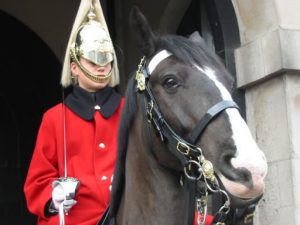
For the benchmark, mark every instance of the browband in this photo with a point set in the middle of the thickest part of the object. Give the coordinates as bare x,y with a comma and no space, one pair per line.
157,59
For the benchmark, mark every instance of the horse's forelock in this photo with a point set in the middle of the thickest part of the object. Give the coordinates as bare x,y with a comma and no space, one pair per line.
192,52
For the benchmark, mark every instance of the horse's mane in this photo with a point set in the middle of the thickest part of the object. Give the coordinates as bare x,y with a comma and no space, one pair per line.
186,51
127,117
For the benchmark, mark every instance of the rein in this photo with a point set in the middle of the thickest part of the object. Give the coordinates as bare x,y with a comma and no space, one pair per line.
198,171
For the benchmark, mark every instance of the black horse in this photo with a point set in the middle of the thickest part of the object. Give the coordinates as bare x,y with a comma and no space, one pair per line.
179,120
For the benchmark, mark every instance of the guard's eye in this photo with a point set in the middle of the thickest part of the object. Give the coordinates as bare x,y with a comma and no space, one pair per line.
171,82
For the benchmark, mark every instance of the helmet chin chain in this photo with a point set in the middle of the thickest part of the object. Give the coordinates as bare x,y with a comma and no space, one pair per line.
88,74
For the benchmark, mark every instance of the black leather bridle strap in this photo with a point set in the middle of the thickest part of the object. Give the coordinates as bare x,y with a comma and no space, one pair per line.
244,216
185,150
211,114
190,190
168,135
182,150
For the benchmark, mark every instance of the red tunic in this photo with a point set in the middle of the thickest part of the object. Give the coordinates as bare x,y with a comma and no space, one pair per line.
91,154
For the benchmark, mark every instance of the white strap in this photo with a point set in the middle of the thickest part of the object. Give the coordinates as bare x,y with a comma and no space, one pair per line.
160,56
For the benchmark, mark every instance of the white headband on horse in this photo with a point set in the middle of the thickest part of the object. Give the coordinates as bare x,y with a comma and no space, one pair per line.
158,58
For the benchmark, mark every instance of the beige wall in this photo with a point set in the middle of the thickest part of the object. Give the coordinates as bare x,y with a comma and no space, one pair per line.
268,68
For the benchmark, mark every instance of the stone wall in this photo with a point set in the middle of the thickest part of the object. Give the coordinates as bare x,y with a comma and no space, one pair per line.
268,69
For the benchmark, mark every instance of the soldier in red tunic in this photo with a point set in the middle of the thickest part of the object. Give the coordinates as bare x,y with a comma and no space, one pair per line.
73,161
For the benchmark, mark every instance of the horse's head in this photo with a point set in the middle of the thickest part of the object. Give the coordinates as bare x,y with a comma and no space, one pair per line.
187,81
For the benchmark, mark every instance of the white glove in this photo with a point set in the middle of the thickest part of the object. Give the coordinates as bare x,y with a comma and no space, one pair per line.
59,197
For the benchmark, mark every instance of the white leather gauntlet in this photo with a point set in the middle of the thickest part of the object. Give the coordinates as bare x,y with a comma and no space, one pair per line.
58,198
63,192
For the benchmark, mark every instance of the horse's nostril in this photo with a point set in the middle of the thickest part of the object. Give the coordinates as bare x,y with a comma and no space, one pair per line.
227,169
227,156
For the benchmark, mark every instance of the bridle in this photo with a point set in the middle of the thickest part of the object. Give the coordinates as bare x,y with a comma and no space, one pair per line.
195,166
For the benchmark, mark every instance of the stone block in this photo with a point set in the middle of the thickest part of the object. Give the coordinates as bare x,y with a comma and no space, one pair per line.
267,118
296,181
255,18
288,13
290,48
293,112
277,205
271,54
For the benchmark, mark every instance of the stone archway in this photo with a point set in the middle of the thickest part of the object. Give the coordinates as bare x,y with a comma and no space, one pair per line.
29,85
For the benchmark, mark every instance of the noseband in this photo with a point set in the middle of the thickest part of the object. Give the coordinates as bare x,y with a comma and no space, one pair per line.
195,166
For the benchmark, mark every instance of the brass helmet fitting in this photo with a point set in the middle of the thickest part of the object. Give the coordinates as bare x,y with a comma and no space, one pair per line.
92,43
90,40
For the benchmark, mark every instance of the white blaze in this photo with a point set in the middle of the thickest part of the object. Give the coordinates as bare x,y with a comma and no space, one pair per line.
248,155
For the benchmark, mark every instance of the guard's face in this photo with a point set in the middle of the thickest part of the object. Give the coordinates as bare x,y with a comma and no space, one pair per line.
86,83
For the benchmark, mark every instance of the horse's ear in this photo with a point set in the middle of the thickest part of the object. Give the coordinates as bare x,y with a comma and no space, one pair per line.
143,33
196,37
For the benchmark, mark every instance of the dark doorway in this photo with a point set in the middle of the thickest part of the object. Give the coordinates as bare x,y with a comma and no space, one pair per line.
217,24
30,75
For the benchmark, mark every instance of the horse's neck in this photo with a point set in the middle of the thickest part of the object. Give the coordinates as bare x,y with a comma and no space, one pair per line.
152,195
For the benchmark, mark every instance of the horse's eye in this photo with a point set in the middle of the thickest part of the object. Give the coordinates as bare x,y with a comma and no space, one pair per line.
170,83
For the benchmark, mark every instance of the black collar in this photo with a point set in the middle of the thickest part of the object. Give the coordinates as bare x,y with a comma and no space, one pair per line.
84,103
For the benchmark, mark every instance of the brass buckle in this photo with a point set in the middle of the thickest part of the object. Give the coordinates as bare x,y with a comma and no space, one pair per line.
139,76
183,148
149,111
208,169
248,218
140,79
